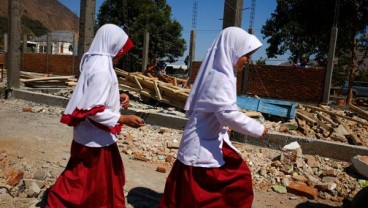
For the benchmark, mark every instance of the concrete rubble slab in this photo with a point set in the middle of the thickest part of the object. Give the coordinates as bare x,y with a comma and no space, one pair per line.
334,150
360,164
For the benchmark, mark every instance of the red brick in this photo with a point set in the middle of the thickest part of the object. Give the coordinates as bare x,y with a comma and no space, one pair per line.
14,177
301,189
169,159
161,169
27,109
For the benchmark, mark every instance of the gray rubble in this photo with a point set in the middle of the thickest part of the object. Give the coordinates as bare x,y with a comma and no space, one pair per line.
282,171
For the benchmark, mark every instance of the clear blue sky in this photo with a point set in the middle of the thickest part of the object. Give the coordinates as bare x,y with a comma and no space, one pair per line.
209,13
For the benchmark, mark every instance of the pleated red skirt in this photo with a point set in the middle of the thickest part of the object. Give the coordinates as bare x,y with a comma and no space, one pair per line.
93,178
227,186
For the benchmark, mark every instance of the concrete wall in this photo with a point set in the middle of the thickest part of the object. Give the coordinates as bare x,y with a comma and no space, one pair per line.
280,82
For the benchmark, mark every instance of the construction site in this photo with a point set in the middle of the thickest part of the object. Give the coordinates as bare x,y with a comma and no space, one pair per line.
315,154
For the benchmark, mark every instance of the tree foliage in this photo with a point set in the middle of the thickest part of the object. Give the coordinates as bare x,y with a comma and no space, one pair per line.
303,27
139,16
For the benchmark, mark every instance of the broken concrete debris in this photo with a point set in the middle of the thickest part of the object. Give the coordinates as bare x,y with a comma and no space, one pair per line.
286,170
360,164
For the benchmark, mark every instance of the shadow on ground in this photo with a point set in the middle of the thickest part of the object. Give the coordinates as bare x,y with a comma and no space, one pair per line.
309,204
141,197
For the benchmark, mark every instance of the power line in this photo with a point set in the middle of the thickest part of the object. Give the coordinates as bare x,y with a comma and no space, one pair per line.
336,16
252,14
194,16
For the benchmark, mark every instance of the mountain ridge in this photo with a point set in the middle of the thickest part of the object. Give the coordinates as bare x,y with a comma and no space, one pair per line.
51,13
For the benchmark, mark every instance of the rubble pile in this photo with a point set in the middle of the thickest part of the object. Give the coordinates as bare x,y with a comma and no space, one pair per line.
25,179
325,123
309,176
282,171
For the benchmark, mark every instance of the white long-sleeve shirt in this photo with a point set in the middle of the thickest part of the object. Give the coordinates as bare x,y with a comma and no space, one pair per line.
107,90
204,134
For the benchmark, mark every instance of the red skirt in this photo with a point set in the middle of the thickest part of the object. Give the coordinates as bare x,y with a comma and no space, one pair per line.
94,177
227,186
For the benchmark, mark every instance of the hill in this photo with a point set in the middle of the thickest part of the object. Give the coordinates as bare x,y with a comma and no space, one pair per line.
39,16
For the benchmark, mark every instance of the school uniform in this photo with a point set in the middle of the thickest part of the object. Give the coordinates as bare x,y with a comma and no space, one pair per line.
209,171
94,176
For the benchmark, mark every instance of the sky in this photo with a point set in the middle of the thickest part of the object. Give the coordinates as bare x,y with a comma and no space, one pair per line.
209,23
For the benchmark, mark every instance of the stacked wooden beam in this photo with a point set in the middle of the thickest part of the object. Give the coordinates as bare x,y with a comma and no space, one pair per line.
169,79
39,80
154,88
324,122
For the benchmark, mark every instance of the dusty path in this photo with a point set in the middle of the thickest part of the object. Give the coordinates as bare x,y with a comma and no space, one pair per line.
42,142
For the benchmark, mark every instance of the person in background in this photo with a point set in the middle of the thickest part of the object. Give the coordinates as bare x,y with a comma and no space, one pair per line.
209,171
94,176
303,63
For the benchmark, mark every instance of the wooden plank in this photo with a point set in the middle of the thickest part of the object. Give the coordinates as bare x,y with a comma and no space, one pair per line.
319,122
138,83
327,119
59,78
175,82
127,87
361,112
169,93
154,88
158,93
354,137
273,107
306,118
182,90
336,114
71,83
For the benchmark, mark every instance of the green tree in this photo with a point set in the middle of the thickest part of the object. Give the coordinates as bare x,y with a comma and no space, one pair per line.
303,27
261,61
166,42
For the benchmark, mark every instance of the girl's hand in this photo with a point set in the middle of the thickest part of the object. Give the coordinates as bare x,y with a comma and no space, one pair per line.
265,132
124,100
131,121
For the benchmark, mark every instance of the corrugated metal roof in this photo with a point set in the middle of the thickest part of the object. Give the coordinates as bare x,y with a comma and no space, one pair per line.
56,36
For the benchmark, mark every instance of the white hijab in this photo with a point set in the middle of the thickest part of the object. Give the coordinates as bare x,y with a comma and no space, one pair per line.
108,41
214,88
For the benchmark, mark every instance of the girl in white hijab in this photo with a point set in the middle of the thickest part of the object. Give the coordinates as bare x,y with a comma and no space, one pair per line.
94,176
209,172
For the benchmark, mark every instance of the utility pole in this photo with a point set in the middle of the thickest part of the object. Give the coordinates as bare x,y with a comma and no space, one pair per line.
48,51
13,56
331,57
192,43
353,64
233,10
244,86
86,26
330,63
251,19
145,50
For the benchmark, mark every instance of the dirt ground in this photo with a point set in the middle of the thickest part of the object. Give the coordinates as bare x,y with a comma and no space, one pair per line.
41,142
